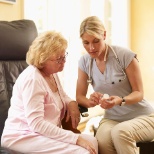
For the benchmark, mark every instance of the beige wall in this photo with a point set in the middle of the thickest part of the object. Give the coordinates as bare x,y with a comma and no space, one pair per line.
142,41
11,11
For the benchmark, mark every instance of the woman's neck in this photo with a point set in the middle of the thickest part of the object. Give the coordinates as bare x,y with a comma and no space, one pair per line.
103,56
45,73
50,80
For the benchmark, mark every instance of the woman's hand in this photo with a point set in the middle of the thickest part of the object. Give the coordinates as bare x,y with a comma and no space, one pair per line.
94,99
86,144
73,113
107,103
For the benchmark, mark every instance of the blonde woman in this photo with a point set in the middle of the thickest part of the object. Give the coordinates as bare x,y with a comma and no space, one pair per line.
38,105
113,71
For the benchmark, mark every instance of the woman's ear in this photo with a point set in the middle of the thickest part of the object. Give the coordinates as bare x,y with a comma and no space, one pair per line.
104,35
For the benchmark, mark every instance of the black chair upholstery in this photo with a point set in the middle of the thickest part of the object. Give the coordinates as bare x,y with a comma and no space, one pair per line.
146,147
15,39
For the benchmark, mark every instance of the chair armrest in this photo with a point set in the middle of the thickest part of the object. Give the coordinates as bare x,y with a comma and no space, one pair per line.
146,147
83,111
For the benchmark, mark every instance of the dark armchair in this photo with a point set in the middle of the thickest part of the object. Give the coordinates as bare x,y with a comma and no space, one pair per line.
15,39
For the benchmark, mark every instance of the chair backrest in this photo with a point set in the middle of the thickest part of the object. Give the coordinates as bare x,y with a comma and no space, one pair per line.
15,39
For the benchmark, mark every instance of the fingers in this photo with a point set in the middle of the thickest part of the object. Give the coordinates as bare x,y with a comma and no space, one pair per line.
91,149
75,121
86,144
95,97
75,118
67,116
94,100
105,104
74,114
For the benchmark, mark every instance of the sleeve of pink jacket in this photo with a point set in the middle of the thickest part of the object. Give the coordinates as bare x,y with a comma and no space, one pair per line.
33,100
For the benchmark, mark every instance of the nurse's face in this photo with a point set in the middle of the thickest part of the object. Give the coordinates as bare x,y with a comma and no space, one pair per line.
93,45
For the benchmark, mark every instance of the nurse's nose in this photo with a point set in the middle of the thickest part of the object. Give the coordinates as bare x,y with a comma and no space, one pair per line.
91,47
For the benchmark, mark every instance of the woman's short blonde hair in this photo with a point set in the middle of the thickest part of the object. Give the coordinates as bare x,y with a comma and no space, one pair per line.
45,46
93,26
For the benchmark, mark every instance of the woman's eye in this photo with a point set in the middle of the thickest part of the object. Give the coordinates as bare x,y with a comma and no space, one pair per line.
96,40
85,43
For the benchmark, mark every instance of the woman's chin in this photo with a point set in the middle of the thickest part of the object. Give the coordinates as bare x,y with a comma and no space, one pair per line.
61,69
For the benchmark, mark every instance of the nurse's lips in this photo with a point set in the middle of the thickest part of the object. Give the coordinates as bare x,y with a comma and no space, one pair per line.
92,53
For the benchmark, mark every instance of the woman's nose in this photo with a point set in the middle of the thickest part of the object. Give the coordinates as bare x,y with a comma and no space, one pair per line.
91,47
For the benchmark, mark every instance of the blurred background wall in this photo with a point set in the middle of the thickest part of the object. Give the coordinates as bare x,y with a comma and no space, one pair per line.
141,34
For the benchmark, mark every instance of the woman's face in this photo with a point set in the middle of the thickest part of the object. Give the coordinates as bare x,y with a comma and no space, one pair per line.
55,63
93,45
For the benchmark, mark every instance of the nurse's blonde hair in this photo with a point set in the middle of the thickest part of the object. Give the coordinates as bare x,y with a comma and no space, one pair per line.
93,26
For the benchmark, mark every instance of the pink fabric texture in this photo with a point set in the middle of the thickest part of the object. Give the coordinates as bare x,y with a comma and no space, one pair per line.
34,118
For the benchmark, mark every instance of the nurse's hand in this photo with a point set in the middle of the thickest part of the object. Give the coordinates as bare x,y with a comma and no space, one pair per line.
94,99
109,102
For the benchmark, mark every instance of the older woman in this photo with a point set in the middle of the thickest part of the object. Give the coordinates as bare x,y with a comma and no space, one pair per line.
38,104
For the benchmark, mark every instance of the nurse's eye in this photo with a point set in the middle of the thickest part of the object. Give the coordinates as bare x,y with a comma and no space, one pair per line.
96,40
85,42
